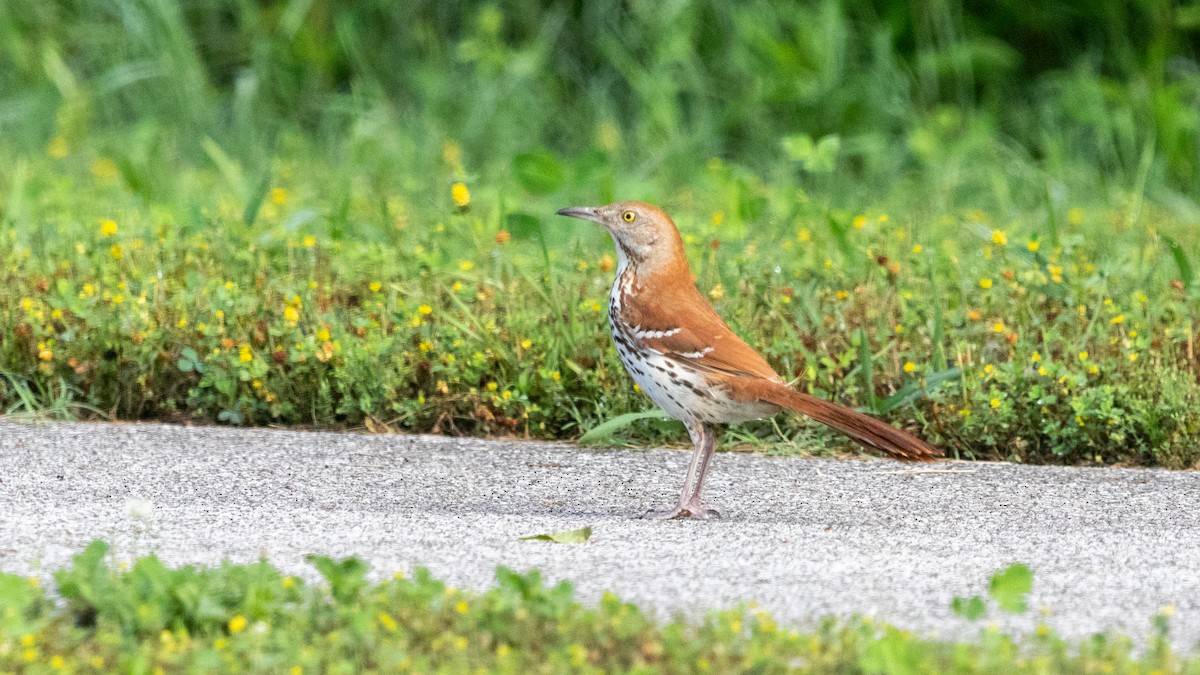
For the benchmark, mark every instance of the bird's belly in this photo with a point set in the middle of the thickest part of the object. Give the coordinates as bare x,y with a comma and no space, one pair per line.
685,393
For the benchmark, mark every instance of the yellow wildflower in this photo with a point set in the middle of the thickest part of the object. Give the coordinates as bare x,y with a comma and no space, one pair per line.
375,286
291,314
425,310
860,222
1117,319
909,367
999,238
309,241
461,195
389,624
279,196
237,624
108,227
985,283
1033,245
466,265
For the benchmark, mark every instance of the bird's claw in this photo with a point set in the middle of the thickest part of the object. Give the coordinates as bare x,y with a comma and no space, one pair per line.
682,511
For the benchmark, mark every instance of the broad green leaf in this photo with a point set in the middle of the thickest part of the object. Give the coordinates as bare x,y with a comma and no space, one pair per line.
817,157
971,608
798,147
538,172
1010,586
346,577
569,537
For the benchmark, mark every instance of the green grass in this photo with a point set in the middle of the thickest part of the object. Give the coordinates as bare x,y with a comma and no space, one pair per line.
240,213
146,617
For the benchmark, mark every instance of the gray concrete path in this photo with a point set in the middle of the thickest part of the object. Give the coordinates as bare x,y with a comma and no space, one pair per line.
801,537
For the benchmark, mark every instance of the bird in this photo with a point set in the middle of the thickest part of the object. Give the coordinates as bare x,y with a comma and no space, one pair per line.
691,364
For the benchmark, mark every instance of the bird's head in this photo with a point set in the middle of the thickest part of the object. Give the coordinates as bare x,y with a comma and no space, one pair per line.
645,235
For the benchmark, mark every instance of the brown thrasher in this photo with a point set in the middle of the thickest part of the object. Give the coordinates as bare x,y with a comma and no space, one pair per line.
690,363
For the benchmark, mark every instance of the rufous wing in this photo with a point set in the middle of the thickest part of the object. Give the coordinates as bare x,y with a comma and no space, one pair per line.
683,326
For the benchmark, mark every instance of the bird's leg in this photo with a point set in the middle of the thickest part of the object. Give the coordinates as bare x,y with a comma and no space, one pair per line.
705,441
710,447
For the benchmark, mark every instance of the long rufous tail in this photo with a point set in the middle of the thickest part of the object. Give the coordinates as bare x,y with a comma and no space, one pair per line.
867,430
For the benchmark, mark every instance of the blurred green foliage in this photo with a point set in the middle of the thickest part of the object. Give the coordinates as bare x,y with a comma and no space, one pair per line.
1068,84
145,617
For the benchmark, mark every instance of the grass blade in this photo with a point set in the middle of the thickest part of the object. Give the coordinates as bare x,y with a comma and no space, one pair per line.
605,431
917,389
1186,274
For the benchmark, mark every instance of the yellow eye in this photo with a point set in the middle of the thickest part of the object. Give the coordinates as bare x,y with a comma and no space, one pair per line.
628,216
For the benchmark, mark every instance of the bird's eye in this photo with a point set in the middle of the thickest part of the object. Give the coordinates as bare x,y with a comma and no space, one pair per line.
628,216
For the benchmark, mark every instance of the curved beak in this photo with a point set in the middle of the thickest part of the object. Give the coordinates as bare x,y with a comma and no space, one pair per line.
591,213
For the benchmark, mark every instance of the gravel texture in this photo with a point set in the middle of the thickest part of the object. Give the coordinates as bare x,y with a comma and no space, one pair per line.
802,538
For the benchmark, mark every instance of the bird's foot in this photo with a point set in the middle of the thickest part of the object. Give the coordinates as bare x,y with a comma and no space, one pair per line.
688,510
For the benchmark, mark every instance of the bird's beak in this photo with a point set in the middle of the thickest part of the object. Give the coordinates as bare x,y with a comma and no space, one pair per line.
582,212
